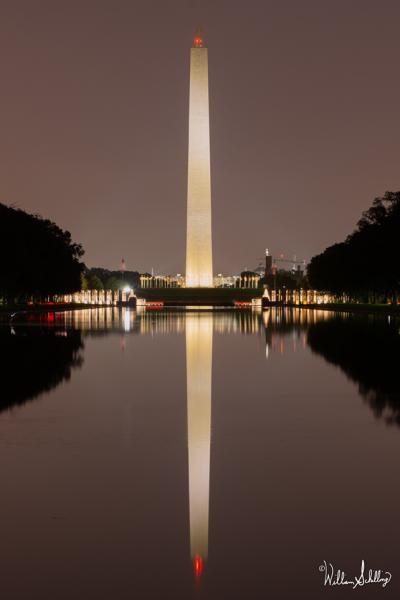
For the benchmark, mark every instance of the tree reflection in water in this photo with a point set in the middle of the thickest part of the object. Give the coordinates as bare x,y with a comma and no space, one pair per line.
36,360
367,350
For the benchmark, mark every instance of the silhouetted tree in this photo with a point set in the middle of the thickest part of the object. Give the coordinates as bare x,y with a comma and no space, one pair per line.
114,284
367,264
94,282
37,258
285,279
114,278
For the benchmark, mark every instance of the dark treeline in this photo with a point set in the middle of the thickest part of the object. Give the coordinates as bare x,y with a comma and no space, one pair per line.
291,280
366,266
37,259
104,279
36,360
367,351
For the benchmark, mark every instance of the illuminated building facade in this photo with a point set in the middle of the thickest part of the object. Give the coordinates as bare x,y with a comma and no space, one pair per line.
221,280
249,279
198,241
161,281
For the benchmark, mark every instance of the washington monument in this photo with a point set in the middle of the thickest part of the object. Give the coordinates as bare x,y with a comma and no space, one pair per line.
198,241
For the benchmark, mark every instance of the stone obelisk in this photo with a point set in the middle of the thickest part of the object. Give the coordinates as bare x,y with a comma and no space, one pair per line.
198,241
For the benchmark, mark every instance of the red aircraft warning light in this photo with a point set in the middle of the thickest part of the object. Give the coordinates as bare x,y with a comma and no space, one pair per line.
198,566
198,41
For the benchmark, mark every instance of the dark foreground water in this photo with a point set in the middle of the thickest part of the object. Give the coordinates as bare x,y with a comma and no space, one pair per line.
202,454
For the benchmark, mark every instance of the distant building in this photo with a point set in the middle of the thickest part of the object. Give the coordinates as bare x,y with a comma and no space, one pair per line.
249,279
221,280
268,263
162,281
298,273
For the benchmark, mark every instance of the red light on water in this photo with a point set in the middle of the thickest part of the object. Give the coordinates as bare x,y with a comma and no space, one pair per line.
198,566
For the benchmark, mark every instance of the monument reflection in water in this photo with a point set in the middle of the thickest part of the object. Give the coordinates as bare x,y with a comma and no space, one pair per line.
298,464
199,333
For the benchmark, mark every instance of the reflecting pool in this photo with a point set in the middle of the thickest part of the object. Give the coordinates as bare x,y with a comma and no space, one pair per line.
198,454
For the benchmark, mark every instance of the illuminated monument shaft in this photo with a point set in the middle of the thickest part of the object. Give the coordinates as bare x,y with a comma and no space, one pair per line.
198,242
199,331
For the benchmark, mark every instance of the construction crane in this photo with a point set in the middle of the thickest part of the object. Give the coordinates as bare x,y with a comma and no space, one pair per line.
281,259
293,261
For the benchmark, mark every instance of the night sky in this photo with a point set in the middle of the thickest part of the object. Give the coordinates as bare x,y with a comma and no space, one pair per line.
304,104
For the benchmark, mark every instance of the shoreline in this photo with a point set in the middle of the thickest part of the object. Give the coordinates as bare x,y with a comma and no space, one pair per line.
384,309
7,312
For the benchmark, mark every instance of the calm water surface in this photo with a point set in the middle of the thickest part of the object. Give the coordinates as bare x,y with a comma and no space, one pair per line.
198,454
